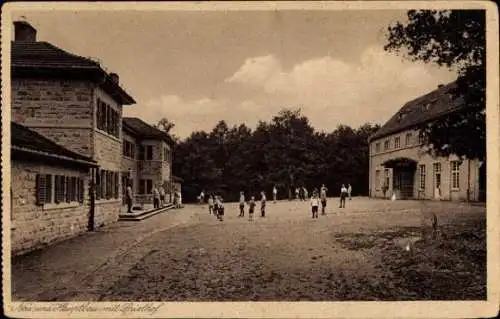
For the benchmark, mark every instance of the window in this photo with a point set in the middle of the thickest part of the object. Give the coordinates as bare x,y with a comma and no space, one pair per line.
146,152
108,185
65,189
149,152
422,176
421,139
387,179
128,149
145,186
108,120
377,179
386,145
408,139
377,147
455,175
43,189
141,152
397,142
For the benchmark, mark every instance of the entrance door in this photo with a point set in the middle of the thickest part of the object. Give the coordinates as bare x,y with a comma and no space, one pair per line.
437,180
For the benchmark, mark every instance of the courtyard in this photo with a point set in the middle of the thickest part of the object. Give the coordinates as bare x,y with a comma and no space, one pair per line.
371,250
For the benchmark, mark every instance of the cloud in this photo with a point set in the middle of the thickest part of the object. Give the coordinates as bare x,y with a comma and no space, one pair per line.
195,115
332,91
329,92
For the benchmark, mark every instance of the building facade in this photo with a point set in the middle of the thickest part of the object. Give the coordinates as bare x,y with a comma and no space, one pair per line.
49,191
147,160
400,164
72,101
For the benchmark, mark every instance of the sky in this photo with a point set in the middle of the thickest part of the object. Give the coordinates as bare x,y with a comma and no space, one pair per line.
198,67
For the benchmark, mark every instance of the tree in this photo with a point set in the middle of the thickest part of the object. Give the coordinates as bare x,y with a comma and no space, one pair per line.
455,39
166,126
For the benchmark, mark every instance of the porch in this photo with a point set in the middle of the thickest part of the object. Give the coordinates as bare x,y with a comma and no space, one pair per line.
403,174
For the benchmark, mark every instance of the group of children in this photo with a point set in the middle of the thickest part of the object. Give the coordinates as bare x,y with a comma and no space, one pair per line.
216,206
216,202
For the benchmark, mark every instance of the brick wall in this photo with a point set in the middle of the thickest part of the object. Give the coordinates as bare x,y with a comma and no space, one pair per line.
108,153
34,226
47,104
415,152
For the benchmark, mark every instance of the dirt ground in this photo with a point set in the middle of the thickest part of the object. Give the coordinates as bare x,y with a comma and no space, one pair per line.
371,250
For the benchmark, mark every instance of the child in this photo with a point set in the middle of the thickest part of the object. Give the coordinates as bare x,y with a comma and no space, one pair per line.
349,190
210,204
221,209
216,206
242,204
275,193
343,195
263,204
323,200
314,205
251,208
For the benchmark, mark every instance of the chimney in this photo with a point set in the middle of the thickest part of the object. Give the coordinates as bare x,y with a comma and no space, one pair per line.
115,78
23,31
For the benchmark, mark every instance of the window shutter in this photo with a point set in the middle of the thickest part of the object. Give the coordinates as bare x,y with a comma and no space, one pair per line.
80,190
116,185
41,184
98,184
68,189
48,188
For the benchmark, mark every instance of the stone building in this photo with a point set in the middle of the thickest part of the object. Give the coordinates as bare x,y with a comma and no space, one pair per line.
49,191
74,102
400,165
147,159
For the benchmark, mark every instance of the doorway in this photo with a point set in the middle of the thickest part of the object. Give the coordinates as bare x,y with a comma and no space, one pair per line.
437,180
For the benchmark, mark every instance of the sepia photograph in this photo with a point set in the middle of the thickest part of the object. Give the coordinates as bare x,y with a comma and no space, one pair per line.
248,152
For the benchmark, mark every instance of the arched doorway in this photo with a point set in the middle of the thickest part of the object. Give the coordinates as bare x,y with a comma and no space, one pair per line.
403,172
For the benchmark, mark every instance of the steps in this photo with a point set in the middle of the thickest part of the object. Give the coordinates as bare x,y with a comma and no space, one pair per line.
141,215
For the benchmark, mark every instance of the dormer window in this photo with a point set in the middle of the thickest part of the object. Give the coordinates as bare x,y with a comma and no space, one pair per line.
401,116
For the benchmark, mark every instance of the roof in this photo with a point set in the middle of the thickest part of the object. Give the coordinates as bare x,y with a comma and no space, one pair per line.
143,130
421,110
26,140
29,58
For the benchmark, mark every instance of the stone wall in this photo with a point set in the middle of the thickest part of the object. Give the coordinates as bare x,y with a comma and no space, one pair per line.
59,109
33,226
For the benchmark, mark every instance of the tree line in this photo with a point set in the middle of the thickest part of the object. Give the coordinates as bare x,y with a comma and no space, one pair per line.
286,151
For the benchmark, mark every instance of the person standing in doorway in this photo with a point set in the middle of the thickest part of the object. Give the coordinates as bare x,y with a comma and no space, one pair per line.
262,204
314,205
349,190
275,193
129,199
343,195
156,197
322,196
242,204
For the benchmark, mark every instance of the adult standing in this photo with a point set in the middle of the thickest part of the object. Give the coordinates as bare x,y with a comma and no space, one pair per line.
343,195
129,196
275,193
202,197
162,196
156,197
349,190
322,196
